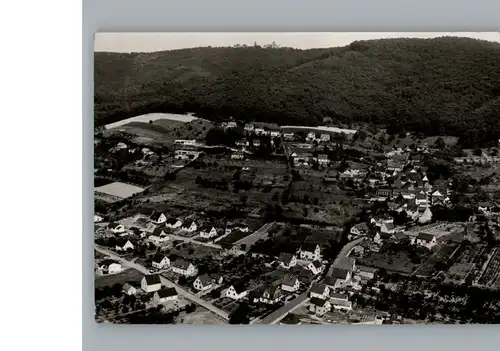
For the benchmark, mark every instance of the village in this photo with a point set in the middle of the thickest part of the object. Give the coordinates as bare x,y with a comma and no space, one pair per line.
256,223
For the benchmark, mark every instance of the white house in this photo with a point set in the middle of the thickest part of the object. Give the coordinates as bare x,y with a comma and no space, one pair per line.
359,229
129,289
164,295
321,291
319,306
183,267
160,261
290,284
322,159
123,245
340,302
424,214
366,272
388,228
173,223
310,252
117,228
203,282
110,267
249,127
191,228
208,233
315,267
426,239
97,219
271,295
237,291
151,283
325,137
287,260
158,217
158,240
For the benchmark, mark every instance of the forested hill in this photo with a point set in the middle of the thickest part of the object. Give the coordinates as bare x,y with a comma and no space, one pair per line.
437,86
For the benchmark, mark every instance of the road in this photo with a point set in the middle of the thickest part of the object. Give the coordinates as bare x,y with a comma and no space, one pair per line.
346,250
260,233
166,282
281,312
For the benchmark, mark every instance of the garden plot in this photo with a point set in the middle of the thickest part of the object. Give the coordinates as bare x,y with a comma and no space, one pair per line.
119,189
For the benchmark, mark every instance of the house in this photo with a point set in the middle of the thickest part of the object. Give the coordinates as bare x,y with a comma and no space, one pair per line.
311,136
160,261
231,125
173,223
191,228
387,228
287,260
164,295
290,284
333,283
412,211
394,166
340,302
237,291
319,306
315,267
203,282
158,240
183,267
426,239
260,131
310,252
249,128
384,193
305,276
116,228
301,159
359,229
424,214
138,232
272,294
151,283
321,291
324,137
158,217
238,155
110,266
129,289
97,219
366,272
421,198
123,245
323,160
208,233
374,236
344,275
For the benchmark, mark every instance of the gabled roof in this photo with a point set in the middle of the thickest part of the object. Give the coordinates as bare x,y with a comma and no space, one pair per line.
318,288
204,279
155,215
240,287
180,263
388,225
121,242
367,269
309,247
152,279
339,273
289,280
166,292
425,236
171,220
107,262
158,257
157,231
127,287
316,264
285,257
318,302
339,296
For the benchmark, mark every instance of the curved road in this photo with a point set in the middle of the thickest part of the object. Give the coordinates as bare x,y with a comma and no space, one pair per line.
166,282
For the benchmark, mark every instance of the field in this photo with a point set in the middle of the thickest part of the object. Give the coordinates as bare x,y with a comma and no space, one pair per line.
118,189
128,275
194,252
151,117
212,183
201,316
396,262
441,256
491,276
465,263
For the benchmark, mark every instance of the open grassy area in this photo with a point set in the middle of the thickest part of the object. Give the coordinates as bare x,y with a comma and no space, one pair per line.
129,275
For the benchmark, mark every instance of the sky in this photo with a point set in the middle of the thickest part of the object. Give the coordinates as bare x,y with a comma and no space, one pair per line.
149,42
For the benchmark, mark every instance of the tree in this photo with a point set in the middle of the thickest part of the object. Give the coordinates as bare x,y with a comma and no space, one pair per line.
477,152
440,144
240,315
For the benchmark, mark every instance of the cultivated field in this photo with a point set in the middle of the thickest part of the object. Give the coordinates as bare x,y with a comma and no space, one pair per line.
119,189
128,275
152,117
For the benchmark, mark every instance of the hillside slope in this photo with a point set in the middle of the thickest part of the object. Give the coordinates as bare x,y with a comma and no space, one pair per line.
437,86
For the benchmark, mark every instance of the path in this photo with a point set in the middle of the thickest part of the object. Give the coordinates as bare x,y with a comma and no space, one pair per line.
281,312
260,233
166,282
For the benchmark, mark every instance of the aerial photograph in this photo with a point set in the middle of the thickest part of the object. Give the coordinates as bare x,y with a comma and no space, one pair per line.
297,178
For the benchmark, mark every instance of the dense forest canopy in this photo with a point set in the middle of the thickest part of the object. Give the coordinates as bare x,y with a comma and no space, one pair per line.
435,86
